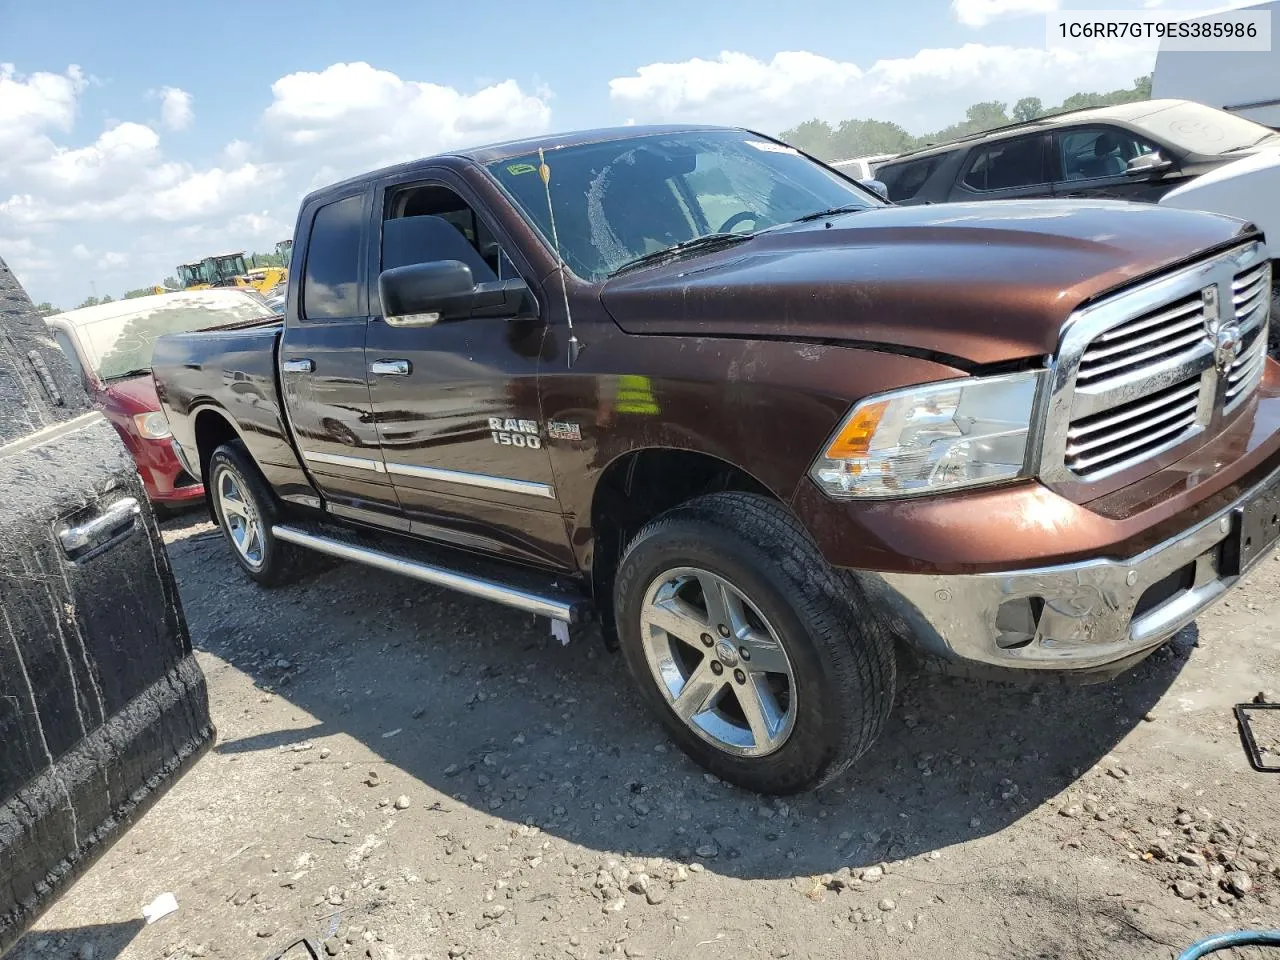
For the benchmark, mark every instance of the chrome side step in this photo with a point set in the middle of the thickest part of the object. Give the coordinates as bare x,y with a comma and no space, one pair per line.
561,606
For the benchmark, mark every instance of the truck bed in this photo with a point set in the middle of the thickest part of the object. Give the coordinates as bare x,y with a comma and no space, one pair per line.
231,370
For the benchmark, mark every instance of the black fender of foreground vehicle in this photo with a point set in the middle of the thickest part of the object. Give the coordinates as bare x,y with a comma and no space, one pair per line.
102,704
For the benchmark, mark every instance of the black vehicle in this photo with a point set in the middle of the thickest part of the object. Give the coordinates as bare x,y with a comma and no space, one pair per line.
102,704
1134,151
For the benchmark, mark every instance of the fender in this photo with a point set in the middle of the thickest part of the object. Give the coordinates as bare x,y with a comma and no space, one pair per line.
1248,188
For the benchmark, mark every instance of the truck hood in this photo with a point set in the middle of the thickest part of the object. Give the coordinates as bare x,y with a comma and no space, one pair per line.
977,282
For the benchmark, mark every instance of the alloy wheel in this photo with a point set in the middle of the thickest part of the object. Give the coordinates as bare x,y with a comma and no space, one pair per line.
718,662
241,519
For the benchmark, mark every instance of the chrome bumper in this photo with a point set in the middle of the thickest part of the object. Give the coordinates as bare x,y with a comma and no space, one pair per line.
1084,615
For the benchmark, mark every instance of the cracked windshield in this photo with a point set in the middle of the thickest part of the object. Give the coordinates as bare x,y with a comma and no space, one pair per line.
615,202
635,481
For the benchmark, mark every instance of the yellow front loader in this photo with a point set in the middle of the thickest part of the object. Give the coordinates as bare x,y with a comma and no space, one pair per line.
230,270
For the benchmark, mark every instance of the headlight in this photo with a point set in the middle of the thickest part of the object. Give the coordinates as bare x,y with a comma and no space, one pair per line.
153,426
940,436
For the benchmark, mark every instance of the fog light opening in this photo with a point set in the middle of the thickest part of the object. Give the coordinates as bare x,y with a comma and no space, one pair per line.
1018,622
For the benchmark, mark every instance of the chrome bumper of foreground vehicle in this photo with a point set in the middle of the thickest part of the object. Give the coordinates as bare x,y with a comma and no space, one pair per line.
1092,613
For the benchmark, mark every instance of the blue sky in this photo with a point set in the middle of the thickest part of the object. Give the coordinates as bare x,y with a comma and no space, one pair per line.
134,136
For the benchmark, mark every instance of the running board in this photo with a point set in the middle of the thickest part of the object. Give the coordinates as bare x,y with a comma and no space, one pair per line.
537,594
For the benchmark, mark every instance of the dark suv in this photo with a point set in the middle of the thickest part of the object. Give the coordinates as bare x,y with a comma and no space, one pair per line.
1134,151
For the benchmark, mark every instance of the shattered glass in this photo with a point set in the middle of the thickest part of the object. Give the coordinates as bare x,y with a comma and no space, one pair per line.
610,202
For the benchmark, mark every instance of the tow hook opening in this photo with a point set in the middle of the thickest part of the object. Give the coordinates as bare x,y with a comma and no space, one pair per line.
1018,622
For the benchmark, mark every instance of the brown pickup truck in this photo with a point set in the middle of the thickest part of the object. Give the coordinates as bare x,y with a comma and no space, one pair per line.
762,425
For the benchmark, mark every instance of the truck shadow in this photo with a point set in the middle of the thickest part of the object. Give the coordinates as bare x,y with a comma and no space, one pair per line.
101,941
478,703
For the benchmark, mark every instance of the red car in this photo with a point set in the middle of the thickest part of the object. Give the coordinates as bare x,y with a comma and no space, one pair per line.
110,346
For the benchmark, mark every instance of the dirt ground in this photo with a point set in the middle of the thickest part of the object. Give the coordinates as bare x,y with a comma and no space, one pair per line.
404,773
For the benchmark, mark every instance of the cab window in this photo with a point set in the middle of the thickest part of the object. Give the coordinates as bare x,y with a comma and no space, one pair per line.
905,180
330,285
1094,152
1008,164
428,222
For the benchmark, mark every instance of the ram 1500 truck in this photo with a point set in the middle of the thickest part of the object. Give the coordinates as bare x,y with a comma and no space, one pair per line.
762,424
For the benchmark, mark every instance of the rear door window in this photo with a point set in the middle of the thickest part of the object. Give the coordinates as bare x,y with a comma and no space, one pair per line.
1008,164
905,180
330,286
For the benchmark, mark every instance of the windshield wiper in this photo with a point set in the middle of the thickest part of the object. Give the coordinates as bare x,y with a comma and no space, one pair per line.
831,212
704,243
142,371
1245,146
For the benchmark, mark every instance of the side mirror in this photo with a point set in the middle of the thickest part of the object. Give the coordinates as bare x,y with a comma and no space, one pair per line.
424,294
1148,164
876,186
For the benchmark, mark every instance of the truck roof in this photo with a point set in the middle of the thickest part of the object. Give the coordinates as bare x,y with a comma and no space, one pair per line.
488,153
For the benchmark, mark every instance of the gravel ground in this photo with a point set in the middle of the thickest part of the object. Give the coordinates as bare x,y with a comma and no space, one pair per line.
405,773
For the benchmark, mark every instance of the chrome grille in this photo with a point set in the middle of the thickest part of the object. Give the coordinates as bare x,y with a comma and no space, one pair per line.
1145,373
1245,372
1251,300
1251,292
1144,341
1126,432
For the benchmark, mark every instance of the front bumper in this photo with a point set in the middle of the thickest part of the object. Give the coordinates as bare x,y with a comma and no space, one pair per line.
1079,616
165,475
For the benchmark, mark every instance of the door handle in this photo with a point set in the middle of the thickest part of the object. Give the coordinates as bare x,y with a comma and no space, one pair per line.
391,368
297,365
114,522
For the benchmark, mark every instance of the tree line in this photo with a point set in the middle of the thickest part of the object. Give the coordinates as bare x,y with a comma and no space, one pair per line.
863,138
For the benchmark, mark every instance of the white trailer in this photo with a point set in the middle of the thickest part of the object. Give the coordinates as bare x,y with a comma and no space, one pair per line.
1247,84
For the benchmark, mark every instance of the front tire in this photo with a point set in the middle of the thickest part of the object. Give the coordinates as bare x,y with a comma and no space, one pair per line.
767,666
246,509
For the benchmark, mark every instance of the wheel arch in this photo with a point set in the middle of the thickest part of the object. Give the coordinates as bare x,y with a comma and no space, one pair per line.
212,427
638,485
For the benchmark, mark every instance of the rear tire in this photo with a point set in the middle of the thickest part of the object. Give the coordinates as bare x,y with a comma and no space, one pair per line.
246,509
801,679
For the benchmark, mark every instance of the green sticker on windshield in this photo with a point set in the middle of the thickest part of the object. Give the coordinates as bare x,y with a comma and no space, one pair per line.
515,169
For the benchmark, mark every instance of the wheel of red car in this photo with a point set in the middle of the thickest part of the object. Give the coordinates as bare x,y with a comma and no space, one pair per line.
765,665
246,509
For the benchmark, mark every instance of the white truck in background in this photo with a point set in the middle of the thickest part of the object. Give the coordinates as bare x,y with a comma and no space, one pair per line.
1244,83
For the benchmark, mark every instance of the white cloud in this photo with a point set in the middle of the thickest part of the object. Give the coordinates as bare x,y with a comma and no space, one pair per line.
96,194
32,105
120,151
236,152
175,108
167,193
24,256
923,92
978,13
355,116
